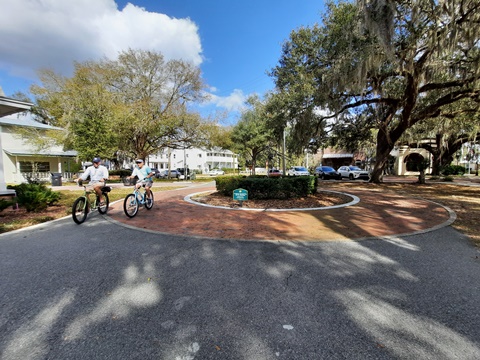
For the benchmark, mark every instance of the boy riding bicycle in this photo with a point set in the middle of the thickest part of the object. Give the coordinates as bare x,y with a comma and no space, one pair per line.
145,176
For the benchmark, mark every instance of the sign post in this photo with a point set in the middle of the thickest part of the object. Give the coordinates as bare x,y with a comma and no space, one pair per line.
240,195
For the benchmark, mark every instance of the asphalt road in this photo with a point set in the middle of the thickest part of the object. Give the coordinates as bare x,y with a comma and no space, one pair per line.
102,291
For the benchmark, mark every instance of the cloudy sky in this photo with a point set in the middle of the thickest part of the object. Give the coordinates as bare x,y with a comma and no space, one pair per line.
234,42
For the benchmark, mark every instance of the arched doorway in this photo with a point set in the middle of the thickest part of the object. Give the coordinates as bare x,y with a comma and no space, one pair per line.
412,160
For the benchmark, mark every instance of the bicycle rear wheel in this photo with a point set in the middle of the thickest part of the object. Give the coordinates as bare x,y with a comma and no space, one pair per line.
106,201
149,201
130,205
80,210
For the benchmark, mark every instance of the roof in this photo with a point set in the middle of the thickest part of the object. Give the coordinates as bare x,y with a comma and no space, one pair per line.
9,106
31,152
337,156
25,120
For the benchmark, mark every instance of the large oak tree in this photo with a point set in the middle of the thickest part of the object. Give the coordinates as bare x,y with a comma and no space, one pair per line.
134,105
390,64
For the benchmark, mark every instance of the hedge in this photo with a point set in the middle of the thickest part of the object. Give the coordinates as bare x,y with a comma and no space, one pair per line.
268,188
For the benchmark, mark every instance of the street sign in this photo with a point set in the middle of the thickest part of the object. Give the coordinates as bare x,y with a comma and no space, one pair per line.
240,194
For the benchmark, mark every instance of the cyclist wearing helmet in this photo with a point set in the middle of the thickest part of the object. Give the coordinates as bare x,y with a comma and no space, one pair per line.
144,174
98,175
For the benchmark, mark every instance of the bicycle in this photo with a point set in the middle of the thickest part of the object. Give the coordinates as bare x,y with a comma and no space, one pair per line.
83,205
137,198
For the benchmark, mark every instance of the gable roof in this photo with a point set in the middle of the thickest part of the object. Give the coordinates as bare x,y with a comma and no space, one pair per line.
9,106
25,120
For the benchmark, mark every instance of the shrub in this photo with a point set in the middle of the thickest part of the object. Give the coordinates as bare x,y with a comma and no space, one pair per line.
268,188
453,170
448,178
35,197
5,204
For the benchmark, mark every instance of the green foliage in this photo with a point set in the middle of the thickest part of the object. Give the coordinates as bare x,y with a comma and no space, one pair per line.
35,197
252,135
5,204
453,170
261,187
134,105
448,178
380,67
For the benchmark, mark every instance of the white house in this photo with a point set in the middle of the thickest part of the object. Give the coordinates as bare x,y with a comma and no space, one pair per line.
8,107
201,160
22,160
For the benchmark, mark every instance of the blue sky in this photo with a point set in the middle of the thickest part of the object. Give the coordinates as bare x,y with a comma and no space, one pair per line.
233,42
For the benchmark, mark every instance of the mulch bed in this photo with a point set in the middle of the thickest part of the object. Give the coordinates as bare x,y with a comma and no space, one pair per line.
321,199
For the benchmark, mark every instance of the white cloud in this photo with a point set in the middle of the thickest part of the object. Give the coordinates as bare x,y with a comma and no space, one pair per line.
55,33
233,102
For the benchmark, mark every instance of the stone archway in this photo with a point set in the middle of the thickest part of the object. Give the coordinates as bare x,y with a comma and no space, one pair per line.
412,160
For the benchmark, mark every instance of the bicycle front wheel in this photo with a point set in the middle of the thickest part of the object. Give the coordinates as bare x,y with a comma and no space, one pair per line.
80,210
103,208
130,205
149,201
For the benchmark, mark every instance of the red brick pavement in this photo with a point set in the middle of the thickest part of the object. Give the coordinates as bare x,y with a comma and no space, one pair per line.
378,214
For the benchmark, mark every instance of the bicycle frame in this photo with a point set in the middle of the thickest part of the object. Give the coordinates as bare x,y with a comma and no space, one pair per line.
84,204
136,199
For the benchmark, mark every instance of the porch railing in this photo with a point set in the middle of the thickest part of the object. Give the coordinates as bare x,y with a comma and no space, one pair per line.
45,177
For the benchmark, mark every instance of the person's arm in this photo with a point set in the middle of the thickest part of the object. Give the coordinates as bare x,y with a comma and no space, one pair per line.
134,172
85,175
150,174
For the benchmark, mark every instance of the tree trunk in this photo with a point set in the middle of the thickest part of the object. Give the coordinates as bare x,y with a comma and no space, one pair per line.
421,176
381,159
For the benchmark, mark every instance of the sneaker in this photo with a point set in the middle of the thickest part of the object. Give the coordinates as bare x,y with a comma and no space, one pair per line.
101,204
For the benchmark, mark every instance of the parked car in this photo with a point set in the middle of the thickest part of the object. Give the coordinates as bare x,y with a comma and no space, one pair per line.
327,172
160,174
298,171
181,171
353,172
216,172
174,174
274,173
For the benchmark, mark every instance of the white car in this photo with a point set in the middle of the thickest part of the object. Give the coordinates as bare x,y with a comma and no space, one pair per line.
298,171
353,172
216,172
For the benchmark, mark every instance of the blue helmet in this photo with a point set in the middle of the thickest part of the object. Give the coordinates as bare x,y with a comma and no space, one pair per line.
96,160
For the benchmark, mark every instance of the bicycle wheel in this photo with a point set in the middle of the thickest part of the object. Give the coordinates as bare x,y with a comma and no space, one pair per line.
149,201
80,210
130,205
106,201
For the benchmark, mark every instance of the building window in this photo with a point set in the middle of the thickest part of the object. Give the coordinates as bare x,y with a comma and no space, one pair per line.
32,166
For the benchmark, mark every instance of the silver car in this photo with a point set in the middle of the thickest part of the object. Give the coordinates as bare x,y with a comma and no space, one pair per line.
298,171
353,172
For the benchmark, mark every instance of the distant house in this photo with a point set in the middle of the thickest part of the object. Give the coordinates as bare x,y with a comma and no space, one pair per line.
21,160
200,160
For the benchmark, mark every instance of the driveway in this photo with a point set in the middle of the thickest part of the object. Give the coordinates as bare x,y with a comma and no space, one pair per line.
104,291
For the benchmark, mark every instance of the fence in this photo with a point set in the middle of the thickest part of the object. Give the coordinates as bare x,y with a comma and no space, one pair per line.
45,177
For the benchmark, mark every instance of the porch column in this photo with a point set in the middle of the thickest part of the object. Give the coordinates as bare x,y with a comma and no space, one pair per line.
3,184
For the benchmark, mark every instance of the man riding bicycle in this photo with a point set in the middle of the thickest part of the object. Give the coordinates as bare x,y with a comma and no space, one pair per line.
145,176
98,175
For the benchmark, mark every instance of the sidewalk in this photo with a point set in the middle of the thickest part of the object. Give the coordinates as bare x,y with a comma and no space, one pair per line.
378,214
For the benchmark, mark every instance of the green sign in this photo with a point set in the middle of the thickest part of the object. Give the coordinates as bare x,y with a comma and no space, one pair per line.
240,194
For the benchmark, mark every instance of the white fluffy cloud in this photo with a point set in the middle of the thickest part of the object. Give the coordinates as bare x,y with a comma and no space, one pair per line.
55,33
233,102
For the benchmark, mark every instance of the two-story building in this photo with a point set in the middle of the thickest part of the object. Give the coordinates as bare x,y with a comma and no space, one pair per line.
200,160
